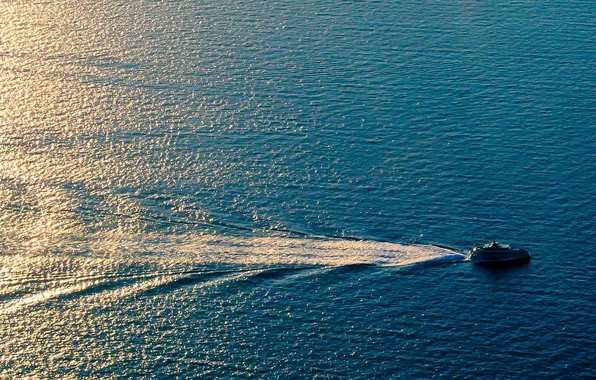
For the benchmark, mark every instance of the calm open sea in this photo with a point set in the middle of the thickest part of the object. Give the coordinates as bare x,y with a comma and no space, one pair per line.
225,188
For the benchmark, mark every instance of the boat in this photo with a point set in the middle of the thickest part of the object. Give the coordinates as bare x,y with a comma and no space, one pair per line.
495,253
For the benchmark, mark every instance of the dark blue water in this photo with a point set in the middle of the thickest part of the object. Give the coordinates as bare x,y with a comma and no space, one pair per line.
257,189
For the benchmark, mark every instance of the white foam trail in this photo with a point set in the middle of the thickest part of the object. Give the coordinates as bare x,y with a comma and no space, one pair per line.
267,250
450,258
119,265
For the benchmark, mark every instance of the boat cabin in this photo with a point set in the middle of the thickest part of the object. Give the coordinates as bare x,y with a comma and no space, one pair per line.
495,245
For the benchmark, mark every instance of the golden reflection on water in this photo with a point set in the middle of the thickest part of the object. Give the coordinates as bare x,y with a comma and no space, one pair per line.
82,120
53,113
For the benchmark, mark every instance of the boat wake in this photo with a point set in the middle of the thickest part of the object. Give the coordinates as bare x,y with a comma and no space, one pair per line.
113,267
258,250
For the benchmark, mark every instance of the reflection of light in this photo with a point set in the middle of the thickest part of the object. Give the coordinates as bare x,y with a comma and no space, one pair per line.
31,117
88,122
42,297
49,117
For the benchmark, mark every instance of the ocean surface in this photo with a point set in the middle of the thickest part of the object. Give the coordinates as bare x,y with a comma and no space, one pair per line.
289,189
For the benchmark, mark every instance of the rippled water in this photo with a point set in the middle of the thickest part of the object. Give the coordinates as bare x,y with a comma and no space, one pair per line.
268,188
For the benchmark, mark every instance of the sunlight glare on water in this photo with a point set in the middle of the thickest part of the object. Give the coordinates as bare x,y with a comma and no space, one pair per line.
226,188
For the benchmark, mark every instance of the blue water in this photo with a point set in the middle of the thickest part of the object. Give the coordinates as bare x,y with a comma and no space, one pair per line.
281,189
